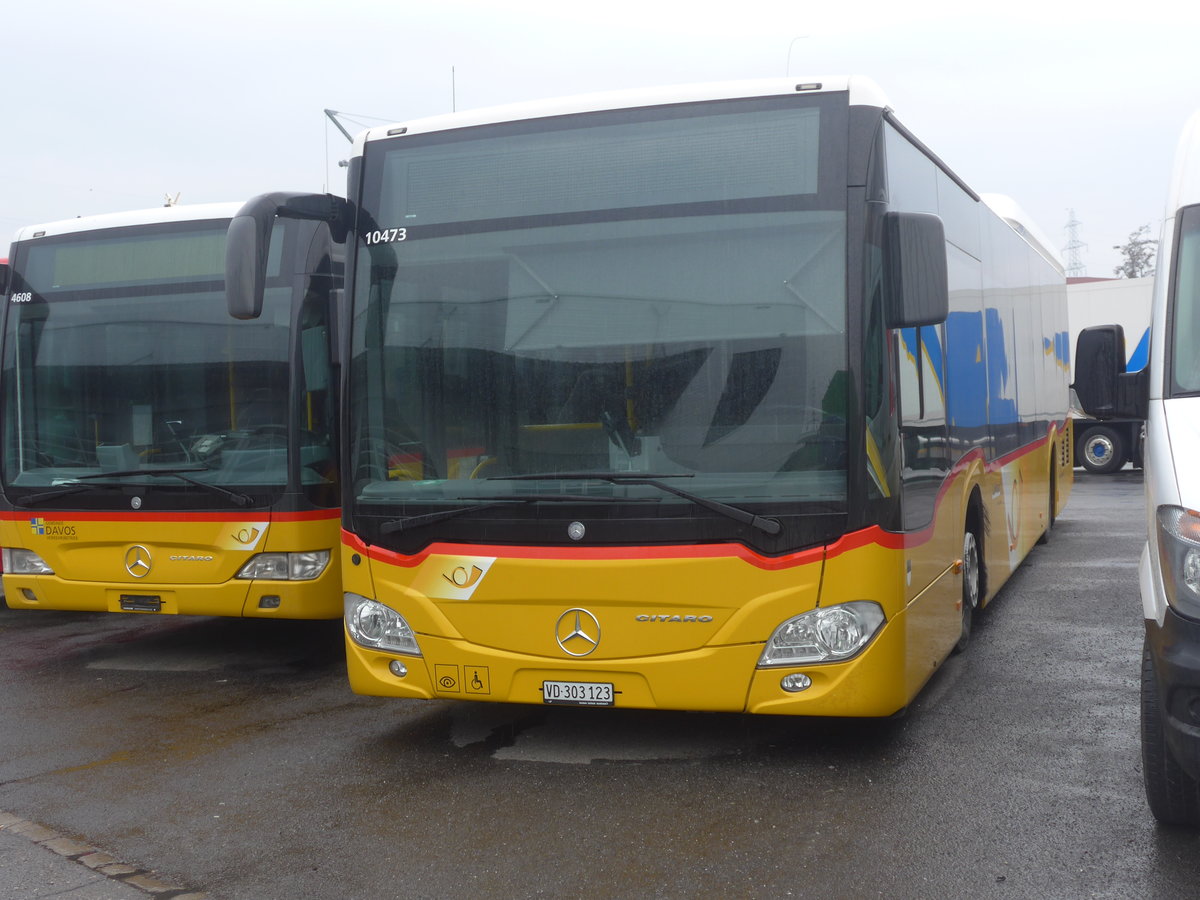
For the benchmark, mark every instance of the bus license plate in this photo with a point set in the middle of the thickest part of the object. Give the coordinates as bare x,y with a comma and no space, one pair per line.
141,603
577,693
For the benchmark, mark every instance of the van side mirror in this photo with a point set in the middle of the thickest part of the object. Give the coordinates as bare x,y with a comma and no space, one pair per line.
1104,389
916,285
3,276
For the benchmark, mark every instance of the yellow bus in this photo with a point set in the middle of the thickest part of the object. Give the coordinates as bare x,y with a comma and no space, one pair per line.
729,397
157,456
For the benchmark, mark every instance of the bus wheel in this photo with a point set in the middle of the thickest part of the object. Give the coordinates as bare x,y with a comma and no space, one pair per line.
1053,490
1102,450
970,588
1173,795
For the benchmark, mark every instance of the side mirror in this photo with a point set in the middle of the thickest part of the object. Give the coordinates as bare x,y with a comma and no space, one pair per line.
248,241
1103,387
246,244
916,285
3,276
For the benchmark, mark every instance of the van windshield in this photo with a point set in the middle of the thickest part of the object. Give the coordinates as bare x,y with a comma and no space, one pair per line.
1185,315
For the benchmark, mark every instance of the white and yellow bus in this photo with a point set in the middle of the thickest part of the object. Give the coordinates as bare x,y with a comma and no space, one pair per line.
728,397
157,456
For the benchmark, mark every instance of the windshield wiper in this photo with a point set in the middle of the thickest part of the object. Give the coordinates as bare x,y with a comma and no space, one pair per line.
80,483
237,497
762,523
408,522
428,518
76,488
125,473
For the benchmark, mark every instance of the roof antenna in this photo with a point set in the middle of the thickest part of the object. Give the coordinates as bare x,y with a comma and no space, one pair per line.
333,117
798,37
168,200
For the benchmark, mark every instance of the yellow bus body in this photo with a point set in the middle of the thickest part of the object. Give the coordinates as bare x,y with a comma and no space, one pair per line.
684,627
193,561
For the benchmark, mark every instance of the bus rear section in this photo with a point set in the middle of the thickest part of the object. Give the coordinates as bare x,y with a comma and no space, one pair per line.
158,455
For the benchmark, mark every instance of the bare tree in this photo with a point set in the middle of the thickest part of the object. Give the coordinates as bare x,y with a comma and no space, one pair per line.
1137,255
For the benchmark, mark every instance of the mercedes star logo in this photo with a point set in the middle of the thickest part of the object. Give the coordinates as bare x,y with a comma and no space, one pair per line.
137,561
577,632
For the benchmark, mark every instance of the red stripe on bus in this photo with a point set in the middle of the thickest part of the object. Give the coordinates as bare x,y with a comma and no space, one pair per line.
673,551
113,516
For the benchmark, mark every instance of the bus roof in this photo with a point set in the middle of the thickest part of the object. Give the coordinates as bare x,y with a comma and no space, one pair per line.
1011,212
1185,177
189,213
863,92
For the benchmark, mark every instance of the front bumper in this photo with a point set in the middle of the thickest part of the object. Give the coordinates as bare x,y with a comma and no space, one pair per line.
317,599
710,679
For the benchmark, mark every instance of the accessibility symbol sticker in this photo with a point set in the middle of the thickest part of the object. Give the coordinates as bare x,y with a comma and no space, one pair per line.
476,680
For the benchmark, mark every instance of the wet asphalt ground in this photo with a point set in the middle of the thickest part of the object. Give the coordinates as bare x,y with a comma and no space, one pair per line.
229,757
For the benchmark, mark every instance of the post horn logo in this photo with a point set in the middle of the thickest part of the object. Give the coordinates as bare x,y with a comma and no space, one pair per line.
246,535
461,578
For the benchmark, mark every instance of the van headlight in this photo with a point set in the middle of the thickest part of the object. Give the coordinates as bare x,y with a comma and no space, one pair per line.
303,566
827,634
380,627
1179,558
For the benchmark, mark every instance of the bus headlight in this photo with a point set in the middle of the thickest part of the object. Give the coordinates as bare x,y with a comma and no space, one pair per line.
372,624
286,566
24,562
1179,558
827,634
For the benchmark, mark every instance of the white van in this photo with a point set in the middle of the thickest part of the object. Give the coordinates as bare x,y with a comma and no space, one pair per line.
1167,394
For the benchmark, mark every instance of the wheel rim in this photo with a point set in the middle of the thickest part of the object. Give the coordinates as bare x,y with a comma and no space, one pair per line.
970,571
1098,450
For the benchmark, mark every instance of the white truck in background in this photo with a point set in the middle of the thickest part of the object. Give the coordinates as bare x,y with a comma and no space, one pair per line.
1106,446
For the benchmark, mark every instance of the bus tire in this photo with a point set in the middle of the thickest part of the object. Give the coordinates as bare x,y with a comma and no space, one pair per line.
1173,795
1052,490
1102,450
972,581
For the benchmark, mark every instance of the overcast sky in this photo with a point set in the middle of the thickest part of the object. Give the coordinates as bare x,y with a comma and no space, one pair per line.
115,105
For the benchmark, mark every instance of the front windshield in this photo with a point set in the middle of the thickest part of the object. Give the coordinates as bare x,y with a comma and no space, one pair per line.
1185,314
122,358
651,292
